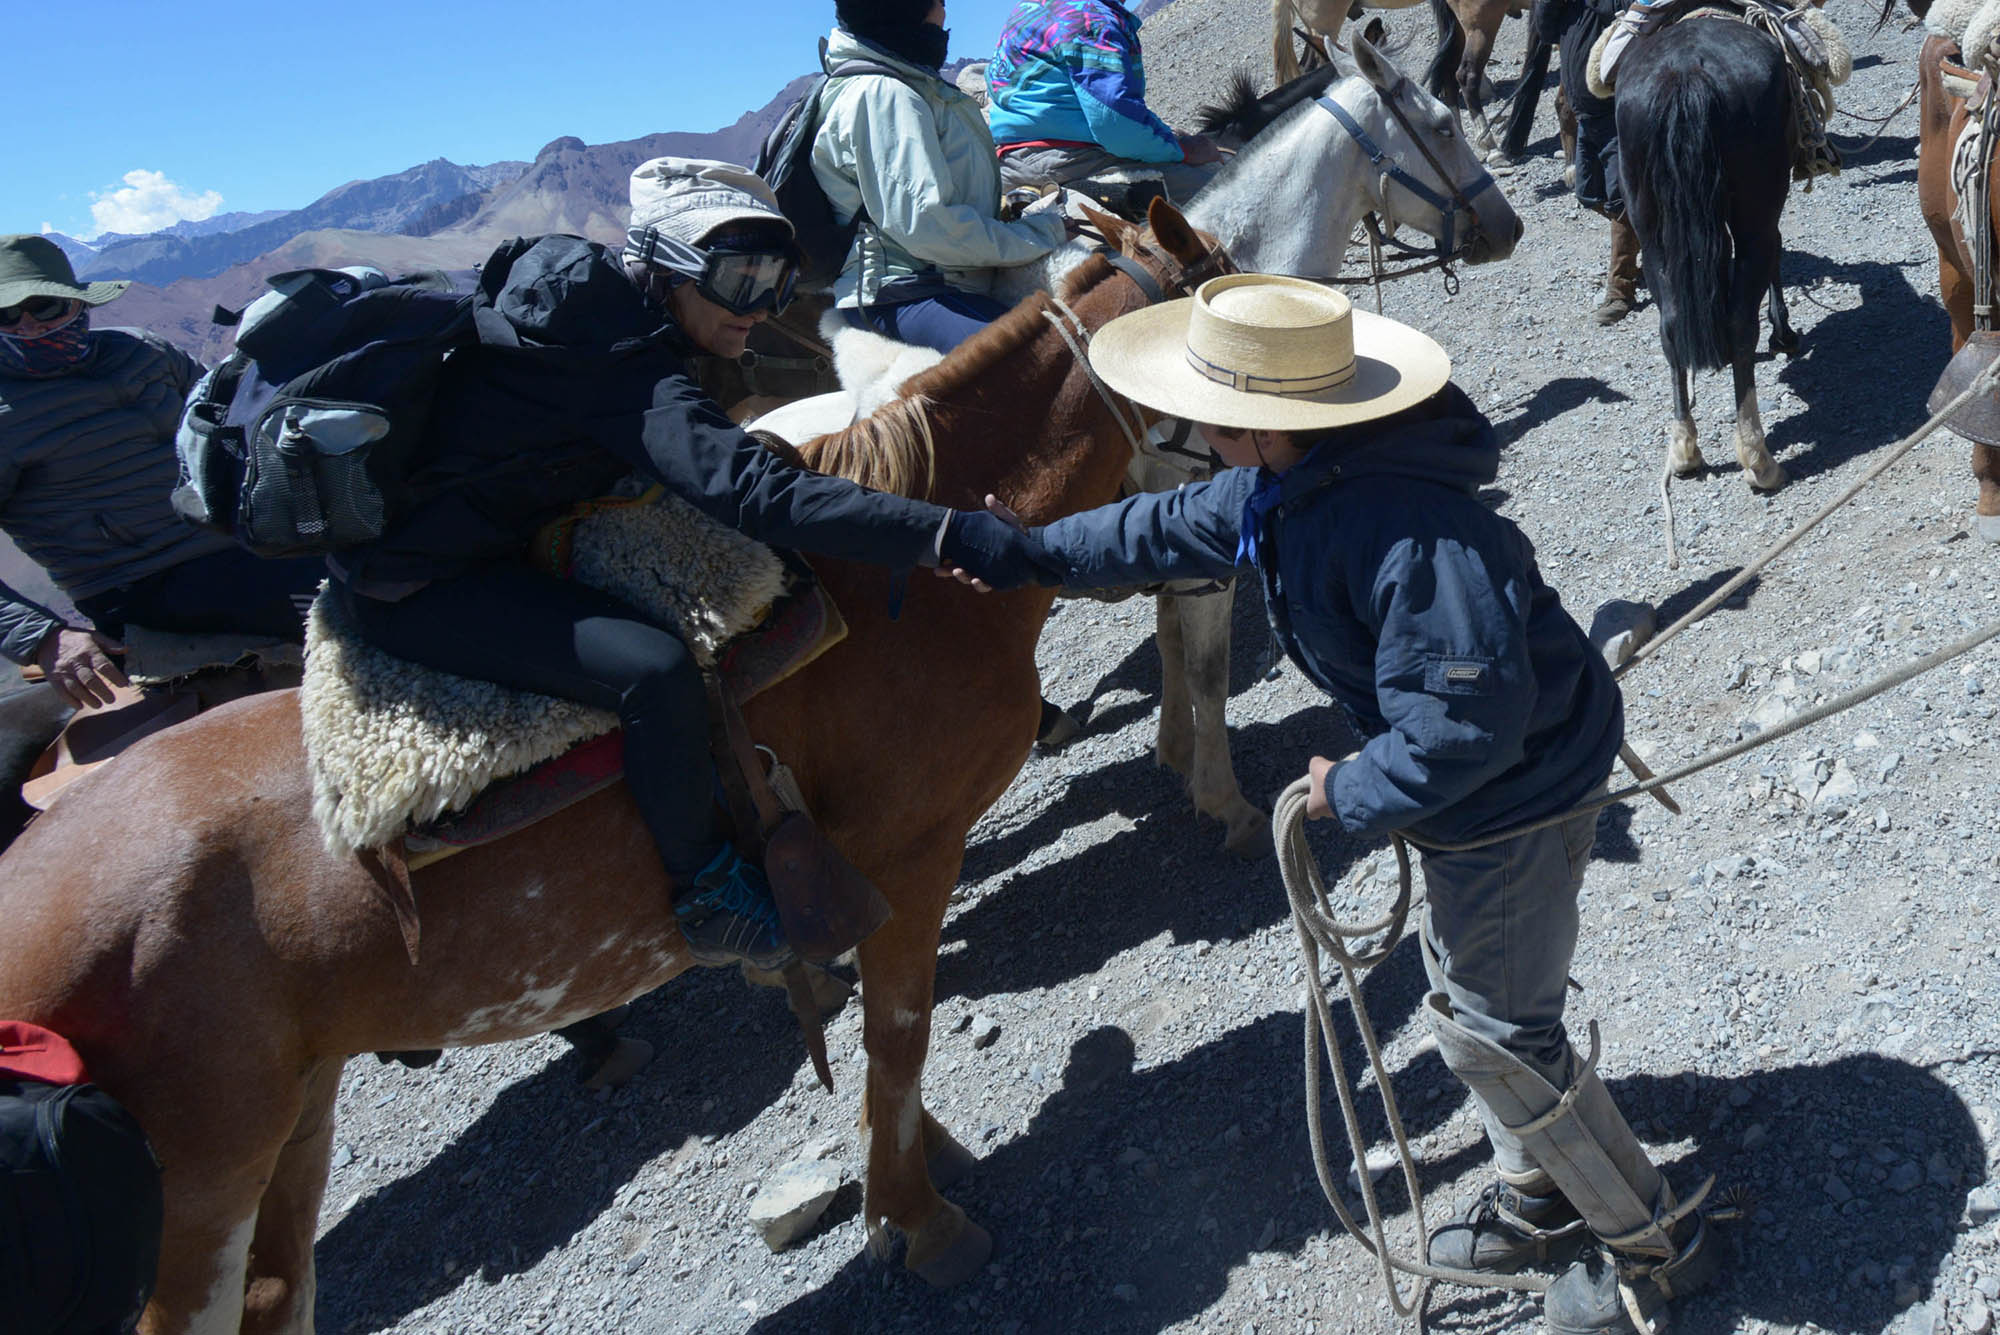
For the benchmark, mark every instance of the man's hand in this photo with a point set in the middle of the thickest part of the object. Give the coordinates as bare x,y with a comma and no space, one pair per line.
1317,806
78,665
1198,149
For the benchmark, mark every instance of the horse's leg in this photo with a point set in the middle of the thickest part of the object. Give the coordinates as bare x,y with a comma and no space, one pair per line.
1440,77
1205,627
1784,338
1566,131
1173,745
1986,470
1683,450
1753,274
1479,33
278,1295
898,970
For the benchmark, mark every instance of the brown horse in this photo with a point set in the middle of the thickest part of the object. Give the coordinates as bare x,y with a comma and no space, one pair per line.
1943,117
1457,73
178,917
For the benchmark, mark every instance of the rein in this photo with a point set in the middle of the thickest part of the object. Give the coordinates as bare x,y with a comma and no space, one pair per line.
1447,248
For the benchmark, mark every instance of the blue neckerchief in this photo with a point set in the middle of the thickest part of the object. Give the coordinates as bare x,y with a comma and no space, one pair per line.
1263,499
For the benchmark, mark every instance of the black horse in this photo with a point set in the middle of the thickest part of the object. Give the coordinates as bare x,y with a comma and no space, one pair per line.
1703,110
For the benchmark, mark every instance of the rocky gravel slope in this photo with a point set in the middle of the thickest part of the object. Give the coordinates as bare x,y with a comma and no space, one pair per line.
1796,981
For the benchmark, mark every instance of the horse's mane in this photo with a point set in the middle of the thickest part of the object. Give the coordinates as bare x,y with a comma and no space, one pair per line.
892,449
1246,113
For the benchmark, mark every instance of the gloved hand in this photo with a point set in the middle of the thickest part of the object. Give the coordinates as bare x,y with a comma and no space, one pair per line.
987,552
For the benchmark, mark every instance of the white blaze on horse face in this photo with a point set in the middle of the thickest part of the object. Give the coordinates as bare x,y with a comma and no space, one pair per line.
222,1314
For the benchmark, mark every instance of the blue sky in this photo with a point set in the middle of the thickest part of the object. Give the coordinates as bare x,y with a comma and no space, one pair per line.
222,105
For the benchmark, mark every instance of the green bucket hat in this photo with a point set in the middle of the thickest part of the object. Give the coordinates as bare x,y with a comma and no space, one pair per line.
34,266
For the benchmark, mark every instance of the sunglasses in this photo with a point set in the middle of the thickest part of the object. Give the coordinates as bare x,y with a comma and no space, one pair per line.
38,309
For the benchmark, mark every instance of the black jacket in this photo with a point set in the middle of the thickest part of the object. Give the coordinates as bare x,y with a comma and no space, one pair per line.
595,386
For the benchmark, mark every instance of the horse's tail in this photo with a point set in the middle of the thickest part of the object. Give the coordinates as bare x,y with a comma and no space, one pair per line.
1442,76
1284,56
1682,177
1528,93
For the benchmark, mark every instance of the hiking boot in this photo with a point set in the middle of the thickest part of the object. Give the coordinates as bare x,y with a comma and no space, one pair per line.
728,916
1505,1230
1586,1299
1612,309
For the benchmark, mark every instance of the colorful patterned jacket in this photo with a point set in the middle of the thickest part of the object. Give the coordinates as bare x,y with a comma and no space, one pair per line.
1068,72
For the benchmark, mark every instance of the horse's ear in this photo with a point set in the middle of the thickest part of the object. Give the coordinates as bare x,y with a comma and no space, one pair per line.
1372,65
1113,228
1171,229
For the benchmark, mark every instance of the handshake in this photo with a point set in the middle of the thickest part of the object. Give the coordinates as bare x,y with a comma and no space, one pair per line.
993,551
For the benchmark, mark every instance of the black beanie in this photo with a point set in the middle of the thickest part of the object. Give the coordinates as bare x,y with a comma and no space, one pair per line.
874,18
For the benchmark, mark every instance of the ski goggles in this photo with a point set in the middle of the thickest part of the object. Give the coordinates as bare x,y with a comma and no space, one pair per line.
740,281
40,310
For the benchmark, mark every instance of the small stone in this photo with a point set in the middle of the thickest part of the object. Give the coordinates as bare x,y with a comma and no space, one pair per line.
1756,1136
1839,791
963,1023
1202,948
1125,1293
1988,1286
1838,1190
1620,627
342,1156
1865,741
1983,1203
1978,1316
985,1029
1380,1160
1882,821
1739,1096
1905,1177
791,1201
1922,1318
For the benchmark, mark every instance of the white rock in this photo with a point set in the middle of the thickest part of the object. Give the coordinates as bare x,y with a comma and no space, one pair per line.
1380,1160
1620,627
985,1029
1866,741
791,1200
1808,662
1839,791
1978,1316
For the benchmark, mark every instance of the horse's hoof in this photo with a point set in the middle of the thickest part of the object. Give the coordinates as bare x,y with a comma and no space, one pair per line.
1766,478
1251,841
1986,527
1788,344
1569,177
626,1060
950,1249
950,1164
1058,728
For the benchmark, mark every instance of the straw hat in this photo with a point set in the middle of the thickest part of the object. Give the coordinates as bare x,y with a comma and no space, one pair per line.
1265,352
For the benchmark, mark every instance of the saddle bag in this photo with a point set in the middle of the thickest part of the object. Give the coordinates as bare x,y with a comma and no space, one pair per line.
301,441
785,163
80,1204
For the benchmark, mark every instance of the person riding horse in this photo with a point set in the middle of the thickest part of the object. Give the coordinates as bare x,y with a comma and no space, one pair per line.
87,420
1069,101
1354,466
599,388
909,156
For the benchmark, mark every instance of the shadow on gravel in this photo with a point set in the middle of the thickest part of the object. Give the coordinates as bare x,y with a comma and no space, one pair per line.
1685,599
546,1159
1889,148
1134,1195
1553,399
1162,870
1860,392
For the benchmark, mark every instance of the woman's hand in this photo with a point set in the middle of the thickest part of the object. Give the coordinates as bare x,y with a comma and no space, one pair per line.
992,550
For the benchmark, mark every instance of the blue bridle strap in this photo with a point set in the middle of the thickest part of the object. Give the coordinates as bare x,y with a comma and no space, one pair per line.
1447,208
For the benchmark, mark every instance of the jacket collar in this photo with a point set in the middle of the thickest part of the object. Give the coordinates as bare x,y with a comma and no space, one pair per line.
842,45
1444,441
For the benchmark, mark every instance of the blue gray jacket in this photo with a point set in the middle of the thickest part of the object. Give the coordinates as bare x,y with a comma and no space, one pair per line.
1415,607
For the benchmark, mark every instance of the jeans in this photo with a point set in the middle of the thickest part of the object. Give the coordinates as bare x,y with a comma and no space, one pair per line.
225,592
1059,166
940,322
1500,927
522,628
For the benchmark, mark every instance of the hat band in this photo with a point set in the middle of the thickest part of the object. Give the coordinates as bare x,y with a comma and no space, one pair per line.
1281,386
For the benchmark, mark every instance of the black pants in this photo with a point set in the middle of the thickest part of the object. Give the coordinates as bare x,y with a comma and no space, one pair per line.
225,592
1597,181
519,627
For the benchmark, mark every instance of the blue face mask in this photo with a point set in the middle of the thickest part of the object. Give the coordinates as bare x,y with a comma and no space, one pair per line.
55,353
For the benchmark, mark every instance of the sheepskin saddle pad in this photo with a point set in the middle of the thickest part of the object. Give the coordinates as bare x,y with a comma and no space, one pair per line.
1971,24
397,749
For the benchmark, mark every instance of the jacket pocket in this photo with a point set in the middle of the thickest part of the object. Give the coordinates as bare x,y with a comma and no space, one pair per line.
1459,674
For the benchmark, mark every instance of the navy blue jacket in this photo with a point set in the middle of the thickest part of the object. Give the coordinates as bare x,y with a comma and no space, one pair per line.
578,381
1420,611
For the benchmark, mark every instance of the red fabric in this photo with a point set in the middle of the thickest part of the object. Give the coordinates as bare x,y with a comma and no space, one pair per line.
1003,150
30,1052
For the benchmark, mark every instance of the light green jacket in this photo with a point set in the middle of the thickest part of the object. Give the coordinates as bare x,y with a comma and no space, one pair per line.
917,160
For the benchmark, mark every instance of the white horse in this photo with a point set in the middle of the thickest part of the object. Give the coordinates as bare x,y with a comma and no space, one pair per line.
1288,203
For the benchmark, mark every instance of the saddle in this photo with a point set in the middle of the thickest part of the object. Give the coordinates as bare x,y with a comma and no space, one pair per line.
1816,57
1978,419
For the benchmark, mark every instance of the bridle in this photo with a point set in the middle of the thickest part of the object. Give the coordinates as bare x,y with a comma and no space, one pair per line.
1449,247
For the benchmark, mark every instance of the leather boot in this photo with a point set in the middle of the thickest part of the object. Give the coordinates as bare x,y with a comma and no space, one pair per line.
1621,279
1507,1229
1603,1292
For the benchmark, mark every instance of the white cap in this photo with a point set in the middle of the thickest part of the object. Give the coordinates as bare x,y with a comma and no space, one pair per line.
686,199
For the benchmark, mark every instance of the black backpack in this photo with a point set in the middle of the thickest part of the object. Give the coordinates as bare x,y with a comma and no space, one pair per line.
785,163
301,441
80,1211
